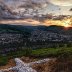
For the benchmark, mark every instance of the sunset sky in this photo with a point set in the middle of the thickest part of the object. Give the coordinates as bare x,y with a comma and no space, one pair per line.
61,6
56,7
48,6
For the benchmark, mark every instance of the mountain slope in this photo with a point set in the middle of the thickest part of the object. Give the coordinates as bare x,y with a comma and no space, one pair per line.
53,28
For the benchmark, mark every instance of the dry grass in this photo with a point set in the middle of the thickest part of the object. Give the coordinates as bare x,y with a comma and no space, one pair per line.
62,66
44,67
10,63
28,59
54,65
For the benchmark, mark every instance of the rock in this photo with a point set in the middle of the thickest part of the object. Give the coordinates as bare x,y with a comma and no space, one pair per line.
24,67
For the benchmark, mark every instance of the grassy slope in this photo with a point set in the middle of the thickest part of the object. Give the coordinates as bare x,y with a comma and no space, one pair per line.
52,52
44,52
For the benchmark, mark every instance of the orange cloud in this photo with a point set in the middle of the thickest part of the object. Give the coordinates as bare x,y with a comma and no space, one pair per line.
47,22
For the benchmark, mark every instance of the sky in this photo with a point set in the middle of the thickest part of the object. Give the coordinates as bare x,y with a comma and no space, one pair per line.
57,7
62,2
61,6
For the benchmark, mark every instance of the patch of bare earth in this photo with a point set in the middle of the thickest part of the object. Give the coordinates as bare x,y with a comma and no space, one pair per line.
54,65
43,67
10,63
62,66
28,59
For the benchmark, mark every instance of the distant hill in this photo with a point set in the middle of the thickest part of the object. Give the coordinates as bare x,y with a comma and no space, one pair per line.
29,29
60,29
17,35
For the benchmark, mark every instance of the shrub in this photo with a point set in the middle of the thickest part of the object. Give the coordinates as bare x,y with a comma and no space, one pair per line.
3,60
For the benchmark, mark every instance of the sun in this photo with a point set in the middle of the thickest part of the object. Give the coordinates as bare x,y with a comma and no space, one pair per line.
66,23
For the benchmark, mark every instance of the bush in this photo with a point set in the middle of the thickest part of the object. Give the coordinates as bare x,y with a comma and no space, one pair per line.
3,60
27,51
21,52
53,52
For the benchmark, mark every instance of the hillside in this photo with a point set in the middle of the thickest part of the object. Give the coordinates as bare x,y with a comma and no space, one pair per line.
16,36
52,28
36,42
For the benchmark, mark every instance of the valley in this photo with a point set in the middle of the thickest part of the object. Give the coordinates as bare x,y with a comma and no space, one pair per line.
36,42
35,35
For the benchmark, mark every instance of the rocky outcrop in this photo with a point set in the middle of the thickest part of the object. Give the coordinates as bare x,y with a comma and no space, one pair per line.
24,67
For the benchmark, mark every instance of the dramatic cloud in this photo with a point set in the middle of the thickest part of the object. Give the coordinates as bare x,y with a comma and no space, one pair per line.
71,9
41,2
62,2
16,3
40,6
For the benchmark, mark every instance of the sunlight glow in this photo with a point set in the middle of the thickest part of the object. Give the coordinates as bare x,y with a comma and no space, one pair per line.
64,22
47,22
67,23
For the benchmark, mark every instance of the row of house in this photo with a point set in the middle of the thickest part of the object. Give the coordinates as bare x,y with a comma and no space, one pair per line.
9,38
48,36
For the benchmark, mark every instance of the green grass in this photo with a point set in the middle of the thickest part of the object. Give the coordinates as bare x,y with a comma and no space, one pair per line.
19,53
43,52
3,60
52,52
